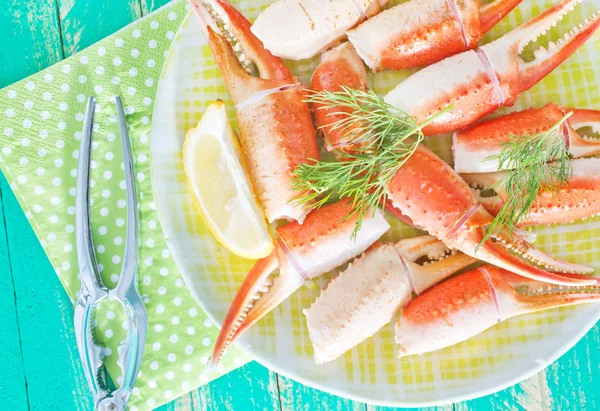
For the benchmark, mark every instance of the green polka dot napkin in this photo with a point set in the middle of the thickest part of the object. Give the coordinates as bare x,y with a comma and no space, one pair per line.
41,119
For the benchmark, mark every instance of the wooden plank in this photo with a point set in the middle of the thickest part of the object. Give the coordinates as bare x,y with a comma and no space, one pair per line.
448,407
55,379
251,387
84,22
568,384
572,382
296,396
31,41
148,6
30,38
530,395
13,387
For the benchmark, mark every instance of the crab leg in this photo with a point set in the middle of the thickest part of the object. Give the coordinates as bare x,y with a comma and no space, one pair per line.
298,29
428,194
434,197
419,33
374,287
578,198
476,83
472,302
305,251
473,146
272,147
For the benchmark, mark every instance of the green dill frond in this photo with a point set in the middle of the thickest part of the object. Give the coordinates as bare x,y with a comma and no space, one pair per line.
532,164
388,138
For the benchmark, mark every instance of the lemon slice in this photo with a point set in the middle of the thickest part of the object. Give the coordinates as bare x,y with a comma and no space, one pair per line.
214,170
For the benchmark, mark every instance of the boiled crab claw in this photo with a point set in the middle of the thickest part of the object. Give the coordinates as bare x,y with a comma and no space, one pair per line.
473,146
427,193
578,198
419,33
436,198
470,303
298,29
339,67
475,83
276,129
305,251
373,288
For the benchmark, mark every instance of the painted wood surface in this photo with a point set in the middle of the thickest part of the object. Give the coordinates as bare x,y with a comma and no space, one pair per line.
13,393
40,365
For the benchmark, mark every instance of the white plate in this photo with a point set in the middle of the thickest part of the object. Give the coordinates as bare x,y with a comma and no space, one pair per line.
504,355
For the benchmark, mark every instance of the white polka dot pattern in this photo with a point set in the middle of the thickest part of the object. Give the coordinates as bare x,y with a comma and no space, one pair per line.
40,128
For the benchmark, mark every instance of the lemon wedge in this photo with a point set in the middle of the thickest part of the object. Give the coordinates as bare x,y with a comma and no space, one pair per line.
214,169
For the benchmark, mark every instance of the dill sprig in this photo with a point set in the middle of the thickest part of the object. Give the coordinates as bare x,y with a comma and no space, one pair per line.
535,163
387,137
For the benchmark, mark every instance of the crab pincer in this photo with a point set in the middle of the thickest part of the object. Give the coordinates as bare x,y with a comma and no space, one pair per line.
303,251
276,129
470,303
435,197
477,82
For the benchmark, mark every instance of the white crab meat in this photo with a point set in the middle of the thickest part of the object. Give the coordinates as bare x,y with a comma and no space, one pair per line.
299,29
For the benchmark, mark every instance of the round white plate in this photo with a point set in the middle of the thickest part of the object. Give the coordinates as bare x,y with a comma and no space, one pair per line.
502,356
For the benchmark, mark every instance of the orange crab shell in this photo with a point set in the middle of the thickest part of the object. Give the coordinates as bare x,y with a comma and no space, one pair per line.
578,198
474,149
419,33
436,198
470,303
473,84
430,193
339,67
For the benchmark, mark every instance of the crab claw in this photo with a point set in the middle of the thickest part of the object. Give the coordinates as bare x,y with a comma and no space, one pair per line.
236,49
427,261
372,289
472,302
577,199
389,207
491,13
272,148
434,197
305,251
583,132
339,67
511,252
419,33
476,149
516,75
299,29
476,83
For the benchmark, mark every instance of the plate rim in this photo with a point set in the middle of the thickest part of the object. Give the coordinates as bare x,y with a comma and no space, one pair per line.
257,356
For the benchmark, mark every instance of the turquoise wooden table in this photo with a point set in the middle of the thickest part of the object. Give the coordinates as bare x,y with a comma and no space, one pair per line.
41,369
